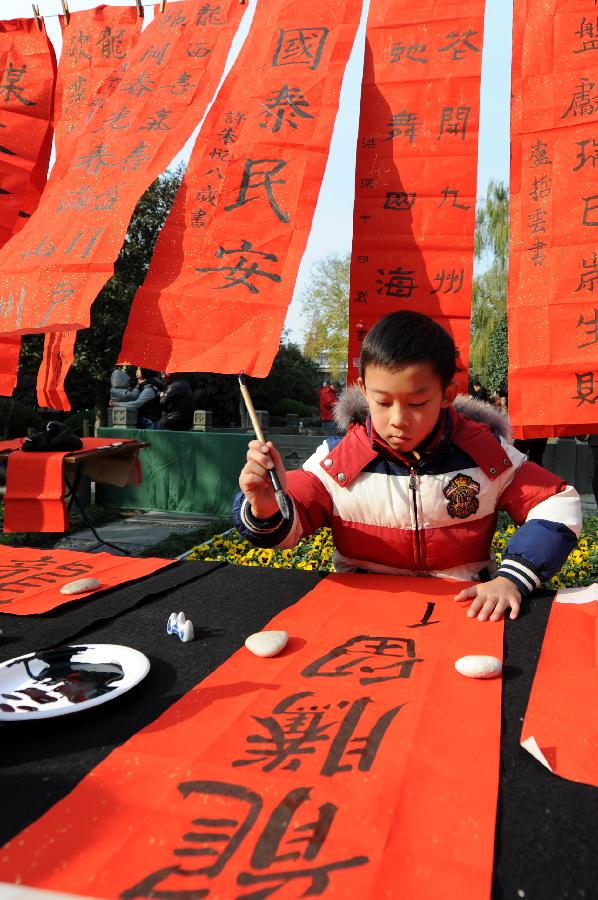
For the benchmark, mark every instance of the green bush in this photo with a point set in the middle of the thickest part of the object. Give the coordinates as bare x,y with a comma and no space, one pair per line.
289,405
75,420
16,418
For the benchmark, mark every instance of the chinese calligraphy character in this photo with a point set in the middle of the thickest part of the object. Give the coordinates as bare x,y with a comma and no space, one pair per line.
593,330
454,120
587,278
297,726
93,161
541,188
399,200
582,103
454,193
242,271
111,45
264,178
76,49
451,280
361,296
76,200
537,247
537,221
397,51
207,195
139,86
340,661
157,52
209,15
228,135
588,34
427,616
300,46
400,283
198,49
402,124
459,44
583,156
116,121
76,91
10,85
288,102
135,159
539,155
158,122
181,86
585,388
198,218
590,206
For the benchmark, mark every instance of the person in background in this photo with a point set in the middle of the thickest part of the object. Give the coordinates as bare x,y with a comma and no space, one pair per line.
120,387
328,401
176,403
478,390
502,402
147,402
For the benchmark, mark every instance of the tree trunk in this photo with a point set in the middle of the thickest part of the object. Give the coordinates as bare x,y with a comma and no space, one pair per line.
101,402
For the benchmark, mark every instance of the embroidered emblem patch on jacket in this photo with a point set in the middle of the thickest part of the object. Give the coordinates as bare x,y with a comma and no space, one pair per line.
461,493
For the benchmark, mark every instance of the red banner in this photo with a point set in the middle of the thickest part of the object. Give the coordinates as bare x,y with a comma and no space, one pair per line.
226,262
553,267
561,721
10,349
55,267
30,580
59,349
415,180
94,43
358,763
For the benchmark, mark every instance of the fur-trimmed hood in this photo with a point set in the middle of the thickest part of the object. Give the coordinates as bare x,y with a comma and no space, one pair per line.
352,407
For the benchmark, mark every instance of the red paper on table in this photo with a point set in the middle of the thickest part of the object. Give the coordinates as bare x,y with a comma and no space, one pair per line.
553,333
337,767
35,488
94,42
226,262
59,350
560,727
416,169
55,267
30,580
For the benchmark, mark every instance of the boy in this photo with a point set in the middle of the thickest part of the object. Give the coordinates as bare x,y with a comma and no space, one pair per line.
415,484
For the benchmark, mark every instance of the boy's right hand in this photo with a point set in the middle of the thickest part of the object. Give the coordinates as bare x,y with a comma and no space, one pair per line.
255,482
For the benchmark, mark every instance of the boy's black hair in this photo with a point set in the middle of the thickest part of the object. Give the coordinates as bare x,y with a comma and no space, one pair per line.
407,337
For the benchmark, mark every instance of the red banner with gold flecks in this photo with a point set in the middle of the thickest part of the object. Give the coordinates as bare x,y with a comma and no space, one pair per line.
561,721
94,43
415,180
55,267
59,349
553,265
226,262
10,349
358,763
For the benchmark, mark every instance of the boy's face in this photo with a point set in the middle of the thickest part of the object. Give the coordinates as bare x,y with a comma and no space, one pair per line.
405,403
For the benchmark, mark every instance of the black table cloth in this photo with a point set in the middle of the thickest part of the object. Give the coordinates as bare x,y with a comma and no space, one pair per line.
547,827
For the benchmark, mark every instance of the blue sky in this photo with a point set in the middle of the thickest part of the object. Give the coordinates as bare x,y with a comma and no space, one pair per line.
332,225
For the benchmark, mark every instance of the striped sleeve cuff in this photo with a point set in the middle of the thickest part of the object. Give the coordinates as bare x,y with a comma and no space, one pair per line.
259,526
261,532
522,576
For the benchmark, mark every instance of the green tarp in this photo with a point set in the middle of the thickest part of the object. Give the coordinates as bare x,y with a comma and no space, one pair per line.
195,472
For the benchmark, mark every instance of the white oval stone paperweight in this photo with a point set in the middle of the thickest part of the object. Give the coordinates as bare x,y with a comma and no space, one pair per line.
81,586
267,643
479,666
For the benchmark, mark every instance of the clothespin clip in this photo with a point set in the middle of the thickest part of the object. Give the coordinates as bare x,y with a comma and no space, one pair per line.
139,8
162,5
37,16
65,11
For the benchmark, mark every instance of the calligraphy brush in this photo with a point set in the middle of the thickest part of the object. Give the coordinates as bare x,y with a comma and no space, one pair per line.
278,491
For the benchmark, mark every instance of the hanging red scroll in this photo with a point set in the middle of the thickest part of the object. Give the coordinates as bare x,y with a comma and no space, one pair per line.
226,262
27,74
415,180
94,42
55,267
553,323
358,763
561,721
59,348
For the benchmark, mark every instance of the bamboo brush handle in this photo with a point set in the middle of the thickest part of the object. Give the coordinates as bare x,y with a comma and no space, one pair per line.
252,413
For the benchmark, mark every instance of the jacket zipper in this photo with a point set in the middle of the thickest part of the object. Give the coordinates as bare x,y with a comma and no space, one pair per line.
413,489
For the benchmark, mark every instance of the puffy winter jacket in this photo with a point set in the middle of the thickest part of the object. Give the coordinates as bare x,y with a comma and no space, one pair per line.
120,387
435,516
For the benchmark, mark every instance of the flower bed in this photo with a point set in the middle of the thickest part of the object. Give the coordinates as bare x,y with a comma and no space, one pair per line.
315,553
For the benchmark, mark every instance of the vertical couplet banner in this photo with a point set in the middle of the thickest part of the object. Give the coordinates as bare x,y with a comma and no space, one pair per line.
359,765
553,265
27,77
226,262
54,268
415,180
59,349
94,42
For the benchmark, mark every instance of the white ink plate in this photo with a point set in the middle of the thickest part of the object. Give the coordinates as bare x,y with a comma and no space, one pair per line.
67,679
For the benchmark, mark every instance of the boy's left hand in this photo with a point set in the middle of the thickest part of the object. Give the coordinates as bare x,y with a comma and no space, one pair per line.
492,599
